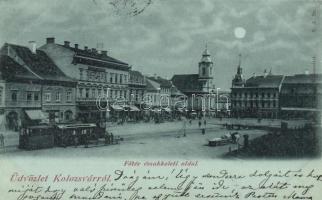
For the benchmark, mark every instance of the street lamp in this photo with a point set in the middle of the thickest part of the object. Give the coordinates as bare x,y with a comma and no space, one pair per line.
217,97
226,101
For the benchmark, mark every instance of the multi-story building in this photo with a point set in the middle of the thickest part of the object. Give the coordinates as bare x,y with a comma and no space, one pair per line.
301,96
258,96
153,94
97,74
165,87
33,89
137,87
197,87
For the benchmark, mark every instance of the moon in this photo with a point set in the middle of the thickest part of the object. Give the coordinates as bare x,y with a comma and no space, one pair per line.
239,32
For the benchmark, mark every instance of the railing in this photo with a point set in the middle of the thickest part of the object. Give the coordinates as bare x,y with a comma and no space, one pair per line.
24,103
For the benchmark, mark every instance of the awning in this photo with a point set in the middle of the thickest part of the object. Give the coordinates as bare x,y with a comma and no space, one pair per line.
134,108
301,109
35,114
117,107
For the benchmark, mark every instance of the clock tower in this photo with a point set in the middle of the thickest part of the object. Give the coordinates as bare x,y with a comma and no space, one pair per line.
205,75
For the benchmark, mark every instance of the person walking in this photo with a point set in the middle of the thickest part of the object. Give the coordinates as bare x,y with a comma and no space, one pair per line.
199,123
2,141
112,138
75,139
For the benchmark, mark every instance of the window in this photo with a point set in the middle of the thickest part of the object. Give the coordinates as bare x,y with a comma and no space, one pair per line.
203,71
274,104
93,93
14,95
87,93
36,96
99,92
47,97
0,95
116,75
121,78
29,96
81,75
69,96
57,97
81,92
111,77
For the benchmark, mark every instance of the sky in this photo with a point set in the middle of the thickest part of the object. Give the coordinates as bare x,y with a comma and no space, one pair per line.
169,36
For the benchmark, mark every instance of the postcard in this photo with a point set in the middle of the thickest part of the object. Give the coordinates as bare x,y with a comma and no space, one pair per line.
160,99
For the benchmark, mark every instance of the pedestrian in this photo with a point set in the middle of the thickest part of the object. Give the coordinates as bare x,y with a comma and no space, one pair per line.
75,139
112,138
199,123
204,122
2,141
85,138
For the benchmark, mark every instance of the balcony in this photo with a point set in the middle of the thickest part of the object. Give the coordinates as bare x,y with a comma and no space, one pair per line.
23,103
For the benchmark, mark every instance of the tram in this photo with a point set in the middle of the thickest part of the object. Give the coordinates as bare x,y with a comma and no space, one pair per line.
77,134
37,137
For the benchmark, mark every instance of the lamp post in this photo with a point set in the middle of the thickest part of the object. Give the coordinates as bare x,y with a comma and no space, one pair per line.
217,98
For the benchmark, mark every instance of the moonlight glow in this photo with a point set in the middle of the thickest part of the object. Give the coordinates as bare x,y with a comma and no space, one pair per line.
240,32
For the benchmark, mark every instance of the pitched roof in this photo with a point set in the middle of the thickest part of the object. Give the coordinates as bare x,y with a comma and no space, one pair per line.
11,70
186,82
135,73
40,64
163,82
90,57
93,54
269,81
303,79
151,86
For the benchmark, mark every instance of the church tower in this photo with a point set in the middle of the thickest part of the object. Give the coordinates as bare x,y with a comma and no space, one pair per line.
239,80
206,71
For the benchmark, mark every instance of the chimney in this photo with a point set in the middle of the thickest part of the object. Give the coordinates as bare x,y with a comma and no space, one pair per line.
104,52
33,46
76,46
50,40
66,43
86,48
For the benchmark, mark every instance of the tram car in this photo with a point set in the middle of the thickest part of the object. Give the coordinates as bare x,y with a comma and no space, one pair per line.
77,134
37,137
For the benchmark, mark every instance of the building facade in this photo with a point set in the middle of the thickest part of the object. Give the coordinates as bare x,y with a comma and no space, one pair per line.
97,74
258,96
137,87
28,78
301,96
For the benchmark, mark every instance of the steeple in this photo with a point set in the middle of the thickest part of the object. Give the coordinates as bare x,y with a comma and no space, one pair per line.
238,80
206,55
205,70
239,69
